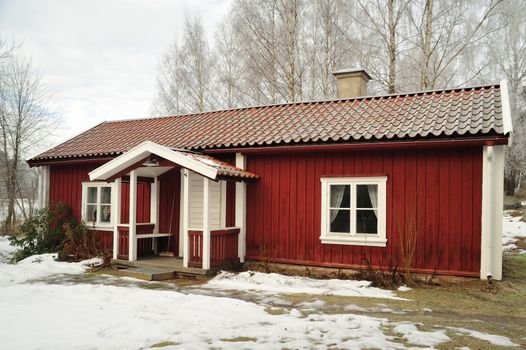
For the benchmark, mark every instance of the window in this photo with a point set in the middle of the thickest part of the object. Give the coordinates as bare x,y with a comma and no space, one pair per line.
353,211
96,203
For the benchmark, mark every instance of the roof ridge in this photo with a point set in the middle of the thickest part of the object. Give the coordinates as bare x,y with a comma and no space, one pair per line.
360,98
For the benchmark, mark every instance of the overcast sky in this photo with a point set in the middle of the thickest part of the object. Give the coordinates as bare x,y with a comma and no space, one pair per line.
99,58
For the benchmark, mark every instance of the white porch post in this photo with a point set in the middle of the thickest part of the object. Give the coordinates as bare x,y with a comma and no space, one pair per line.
241,209
132,239
206,223
492,197
186,216
154,209
116,215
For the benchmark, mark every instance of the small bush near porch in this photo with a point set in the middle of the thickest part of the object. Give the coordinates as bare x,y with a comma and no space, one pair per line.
55,230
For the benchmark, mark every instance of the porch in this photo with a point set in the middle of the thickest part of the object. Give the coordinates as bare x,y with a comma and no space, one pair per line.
204,239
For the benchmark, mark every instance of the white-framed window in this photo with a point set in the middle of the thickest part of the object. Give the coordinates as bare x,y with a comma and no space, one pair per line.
97,203
353,210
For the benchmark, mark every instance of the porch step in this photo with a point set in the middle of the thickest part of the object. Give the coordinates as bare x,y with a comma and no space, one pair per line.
148,273
159,267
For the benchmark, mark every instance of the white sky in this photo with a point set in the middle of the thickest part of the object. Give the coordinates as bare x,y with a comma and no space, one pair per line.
99,58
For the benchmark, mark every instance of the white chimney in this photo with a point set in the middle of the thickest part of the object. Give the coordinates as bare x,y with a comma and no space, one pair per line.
351,82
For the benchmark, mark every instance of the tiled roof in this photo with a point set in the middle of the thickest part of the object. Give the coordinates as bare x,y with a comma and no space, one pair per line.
223,169
445,113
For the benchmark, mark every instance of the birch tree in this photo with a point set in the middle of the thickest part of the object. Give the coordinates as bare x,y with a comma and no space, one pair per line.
385,21
24,122
443,34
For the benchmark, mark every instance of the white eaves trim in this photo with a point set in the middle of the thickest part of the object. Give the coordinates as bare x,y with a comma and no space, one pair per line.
144,150
507,124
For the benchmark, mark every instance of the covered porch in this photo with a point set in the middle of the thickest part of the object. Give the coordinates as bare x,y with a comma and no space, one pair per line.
197,184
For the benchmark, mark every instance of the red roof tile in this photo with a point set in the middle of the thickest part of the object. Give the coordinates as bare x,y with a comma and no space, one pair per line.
457,112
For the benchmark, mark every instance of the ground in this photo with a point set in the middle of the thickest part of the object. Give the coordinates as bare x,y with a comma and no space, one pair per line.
48,304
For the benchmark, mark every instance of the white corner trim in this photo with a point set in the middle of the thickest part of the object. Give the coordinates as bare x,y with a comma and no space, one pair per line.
241,209
144,150
43,186
507,119
491,218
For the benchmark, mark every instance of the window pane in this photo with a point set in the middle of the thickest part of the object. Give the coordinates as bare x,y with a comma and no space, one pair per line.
105,195
340,196
91,213
367,196
92,194
366,221
340,220
105,213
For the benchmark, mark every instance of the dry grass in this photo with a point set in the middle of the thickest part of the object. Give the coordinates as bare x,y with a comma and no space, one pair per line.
515,213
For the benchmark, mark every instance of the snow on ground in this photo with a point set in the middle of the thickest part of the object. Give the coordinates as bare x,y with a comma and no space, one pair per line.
6,250
512,227
491,338
276,283
41,266
414,336
107,317
43,309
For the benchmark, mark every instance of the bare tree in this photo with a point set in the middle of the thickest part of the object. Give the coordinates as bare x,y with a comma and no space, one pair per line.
443,34
229,66
169,84
508,59
384,20
24,123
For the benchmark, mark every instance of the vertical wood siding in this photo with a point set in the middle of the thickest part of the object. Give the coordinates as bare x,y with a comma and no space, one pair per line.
442,188
169,206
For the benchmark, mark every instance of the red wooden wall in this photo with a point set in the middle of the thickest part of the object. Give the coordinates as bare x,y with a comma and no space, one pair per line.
65,186
442,186
169,209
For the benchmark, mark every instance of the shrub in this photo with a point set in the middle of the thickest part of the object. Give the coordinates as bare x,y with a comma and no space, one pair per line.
80,244
55,230
43,232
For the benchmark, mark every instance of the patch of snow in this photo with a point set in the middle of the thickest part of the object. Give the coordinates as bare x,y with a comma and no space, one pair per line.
404,289
427,310
6,250
497,340
41,266
86,316
512,227
277,283
414,336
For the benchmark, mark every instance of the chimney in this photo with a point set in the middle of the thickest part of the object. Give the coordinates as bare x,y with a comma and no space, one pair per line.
351,82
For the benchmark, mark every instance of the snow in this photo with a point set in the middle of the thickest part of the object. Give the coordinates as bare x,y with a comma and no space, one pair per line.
404,289
512,227
497,340
43,308
109,317
41,266
6,250
277,283
414,336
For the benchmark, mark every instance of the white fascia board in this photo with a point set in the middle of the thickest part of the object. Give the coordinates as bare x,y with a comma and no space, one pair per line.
506,107
144,150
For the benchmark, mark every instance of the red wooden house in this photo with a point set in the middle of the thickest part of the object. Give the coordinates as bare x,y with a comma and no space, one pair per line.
328,183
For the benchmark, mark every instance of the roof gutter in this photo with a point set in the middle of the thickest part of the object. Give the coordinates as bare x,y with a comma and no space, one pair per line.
448,143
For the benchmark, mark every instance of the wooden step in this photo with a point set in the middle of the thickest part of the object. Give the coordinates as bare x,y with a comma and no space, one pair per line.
147,273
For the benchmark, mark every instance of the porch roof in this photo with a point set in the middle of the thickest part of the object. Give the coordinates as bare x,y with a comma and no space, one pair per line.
204,165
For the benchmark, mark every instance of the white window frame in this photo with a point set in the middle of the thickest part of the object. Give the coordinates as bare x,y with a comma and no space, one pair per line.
353,238
98,224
